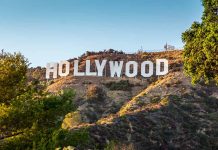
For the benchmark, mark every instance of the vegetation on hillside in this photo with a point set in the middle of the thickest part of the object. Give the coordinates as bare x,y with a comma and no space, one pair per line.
201,45
13,68
161,117
95,92
167,113
158,113
31,118
123,85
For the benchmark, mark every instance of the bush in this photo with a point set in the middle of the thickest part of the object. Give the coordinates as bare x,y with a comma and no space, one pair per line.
94,92
123,85
63,138
71,119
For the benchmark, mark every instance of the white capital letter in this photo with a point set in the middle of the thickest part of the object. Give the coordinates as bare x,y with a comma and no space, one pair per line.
116,68
143,69
51,68
100,67
76,68
67,68
158,67
88,66
135,69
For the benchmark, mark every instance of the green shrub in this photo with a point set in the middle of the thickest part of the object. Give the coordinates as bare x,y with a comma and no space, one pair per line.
71,119
63,138
123,85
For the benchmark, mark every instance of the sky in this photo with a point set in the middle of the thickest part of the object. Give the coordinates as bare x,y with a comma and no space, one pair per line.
54,30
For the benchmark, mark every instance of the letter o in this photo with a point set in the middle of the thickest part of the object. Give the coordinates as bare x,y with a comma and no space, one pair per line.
135,69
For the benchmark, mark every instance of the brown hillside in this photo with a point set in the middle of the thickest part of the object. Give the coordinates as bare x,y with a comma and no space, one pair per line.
169,114
165,112
113,99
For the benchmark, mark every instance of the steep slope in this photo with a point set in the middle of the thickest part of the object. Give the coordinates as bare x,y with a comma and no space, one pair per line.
151,113
170,114
113,99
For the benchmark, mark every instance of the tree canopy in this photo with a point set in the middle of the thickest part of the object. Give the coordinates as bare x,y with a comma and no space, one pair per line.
13,68
201,46
30,117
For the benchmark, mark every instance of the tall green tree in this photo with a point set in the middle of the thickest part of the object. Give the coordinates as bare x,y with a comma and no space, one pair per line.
201,46
13,68
30,117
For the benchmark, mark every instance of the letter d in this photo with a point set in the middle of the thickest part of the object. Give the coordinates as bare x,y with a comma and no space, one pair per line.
160,72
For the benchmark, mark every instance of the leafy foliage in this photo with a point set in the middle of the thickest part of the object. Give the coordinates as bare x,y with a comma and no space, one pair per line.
71,119
31,118
13,68
78,138
201,46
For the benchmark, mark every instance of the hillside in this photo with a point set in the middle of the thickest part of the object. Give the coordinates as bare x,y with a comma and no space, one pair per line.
113,99
165,112
167,115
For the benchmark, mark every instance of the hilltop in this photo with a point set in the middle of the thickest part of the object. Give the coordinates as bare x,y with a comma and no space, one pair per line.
165,112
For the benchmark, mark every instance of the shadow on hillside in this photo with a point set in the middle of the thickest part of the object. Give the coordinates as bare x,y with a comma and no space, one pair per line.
184,122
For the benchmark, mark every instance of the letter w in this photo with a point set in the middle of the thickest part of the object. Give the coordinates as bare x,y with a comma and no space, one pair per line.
116,68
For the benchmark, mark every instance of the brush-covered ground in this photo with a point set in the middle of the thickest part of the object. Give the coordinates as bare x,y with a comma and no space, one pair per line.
165,112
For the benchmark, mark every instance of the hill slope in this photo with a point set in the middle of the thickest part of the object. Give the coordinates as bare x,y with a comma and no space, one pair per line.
162,117
153,113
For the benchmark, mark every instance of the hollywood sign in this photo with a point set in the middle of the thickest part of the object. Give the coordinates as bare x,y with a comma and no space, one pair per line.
62,69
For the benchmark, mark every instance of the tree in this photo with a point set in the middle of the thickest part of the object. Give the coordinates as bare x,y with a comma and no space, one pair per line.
201,46
30,117
13,68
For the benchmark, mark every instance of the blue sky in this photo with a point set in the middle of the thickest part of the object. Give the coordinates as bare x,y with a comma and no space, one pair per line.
53,30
